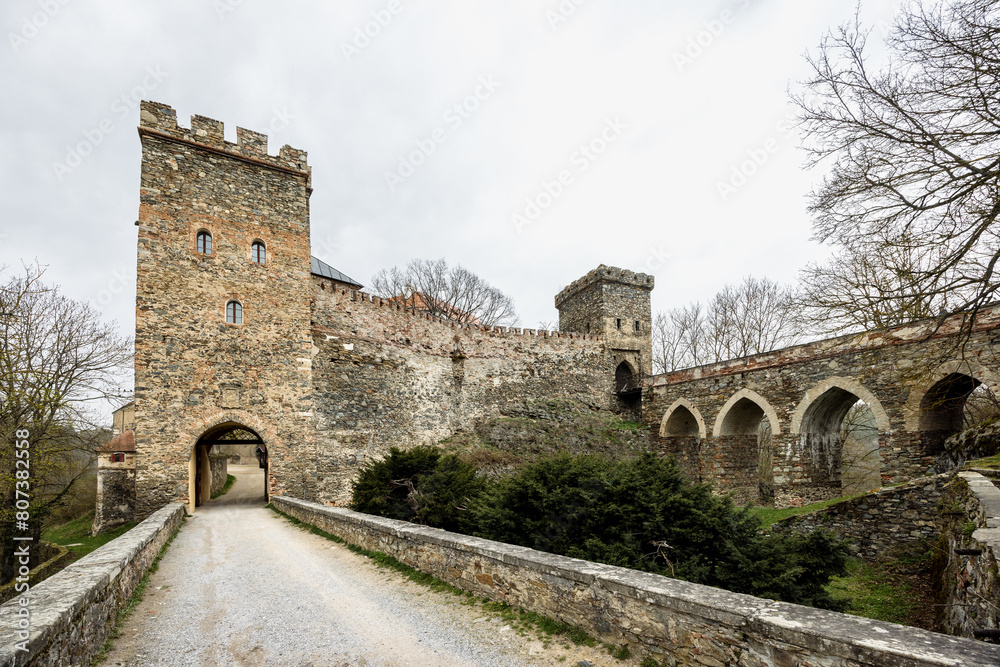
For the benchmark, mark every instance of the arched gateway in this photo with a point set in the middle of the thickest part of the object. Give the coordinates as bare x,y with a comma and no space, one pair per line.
220,437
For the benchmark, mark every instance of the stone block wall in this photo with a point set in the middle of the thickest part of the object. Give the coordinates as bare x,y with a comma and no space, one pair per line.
384,376
609,301
805,391
971,574
667,619
878,521
116,495
219,465
72,613
194,371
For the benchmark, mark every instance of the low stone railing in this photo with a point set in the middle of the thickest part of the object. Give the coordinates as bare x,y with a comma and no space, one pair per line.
655,616
72,613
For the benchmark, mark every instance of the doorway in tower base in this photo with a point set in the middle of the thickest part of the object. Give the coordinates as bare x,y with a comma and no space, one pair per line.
223,440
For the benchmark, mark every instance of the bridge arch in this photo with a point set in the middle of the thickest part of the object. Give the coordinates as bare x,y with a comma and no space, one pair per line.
809,400
935,398
841,455
682,419
208,432
742,413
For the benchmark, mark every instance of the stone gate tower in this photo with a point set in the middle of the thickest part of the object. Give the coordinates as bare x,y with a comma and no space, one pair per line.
222,344
613,303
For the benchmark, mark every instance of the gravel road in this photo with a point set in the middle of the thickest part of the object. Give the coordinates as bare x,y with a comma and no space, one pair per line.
242,586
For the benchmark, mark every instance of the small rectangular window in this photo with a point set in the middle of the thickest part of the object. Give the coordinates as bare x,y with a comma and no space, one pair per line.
637,327
618,323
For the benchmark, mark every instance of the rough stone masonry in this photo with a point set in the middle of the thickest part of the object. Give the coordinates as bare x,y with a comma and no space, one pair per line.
237,335
243,337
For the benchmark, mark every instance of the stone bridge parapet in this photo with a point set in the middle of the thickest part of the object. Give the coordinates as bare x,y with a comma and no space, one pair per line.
655,616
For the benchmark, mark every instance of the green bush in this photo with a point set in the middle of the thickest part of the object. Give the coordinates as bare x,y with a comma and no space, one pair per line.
638,513
642,514
422,485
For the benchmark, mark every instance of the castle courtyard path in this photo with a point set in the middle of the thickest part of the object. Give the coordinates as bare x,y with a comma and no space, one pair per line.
242,586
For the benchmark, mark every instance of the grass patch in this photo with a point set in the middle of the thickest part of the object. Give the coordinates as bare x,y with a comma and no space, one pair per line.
769,515
133,601
230,480
520,620
991,462
626,425
77,533
872,594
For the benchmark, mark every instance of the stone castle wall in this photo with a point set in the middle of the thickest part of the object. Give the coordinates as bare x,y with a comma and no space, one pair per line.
384,376
327,377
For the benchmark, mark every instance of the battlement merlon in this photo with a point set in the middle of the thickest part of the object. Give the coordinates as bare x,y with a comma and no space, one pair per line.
605,274
161,120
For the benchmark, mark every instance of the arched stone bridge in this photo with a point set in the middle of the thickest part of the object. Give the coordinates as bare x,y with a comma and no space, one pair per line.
914,378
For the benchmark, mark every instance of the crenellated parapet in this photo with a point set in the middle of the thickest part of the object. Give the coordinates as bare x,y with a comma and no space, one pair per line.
370,300
161,120
605,274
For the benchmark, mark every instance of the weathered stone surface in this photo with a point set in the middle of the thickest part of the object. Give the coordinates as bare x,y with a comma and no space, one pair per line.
669,619
913,377
73,612
878,521
970,580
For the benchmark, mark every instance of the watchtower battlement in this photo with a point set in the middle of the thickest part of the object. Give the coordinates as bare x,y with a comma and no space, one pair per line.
161,119
613,303
608,274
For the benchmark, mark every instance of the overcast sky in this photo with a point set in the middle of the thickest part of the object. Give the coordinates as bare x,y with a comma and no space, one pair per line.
528,140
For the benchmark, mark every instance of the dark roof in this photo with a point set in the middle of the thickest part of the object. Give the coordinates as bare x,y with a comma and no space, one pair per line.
318,267
124,442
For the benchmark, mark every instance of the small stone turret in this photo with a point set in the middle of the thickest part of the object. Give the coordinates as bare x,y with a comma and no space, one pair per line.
613,303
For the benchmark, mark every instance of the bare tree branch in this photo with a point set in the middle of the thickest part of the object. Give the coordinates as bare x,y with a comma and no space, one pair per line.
912,193
455,294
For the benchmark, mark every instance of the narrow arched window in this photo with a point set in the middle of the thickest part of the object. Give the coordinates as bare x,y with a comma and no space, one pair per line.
204,245
234,312
258,254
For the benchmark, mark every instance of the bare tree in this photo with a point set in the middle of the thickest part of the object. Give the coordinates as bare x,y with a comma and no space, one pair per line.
913,151
856,291
58,363
758,315
452,293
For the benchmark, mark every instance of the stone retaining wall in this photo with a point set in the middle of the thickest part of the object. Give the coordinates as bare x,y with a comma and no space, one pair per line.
72,613
671,620
877,521
219,464
971,580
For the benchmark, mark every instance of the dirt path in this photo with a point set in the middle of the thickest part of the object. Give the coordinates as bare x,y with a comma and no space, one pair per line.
242,586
